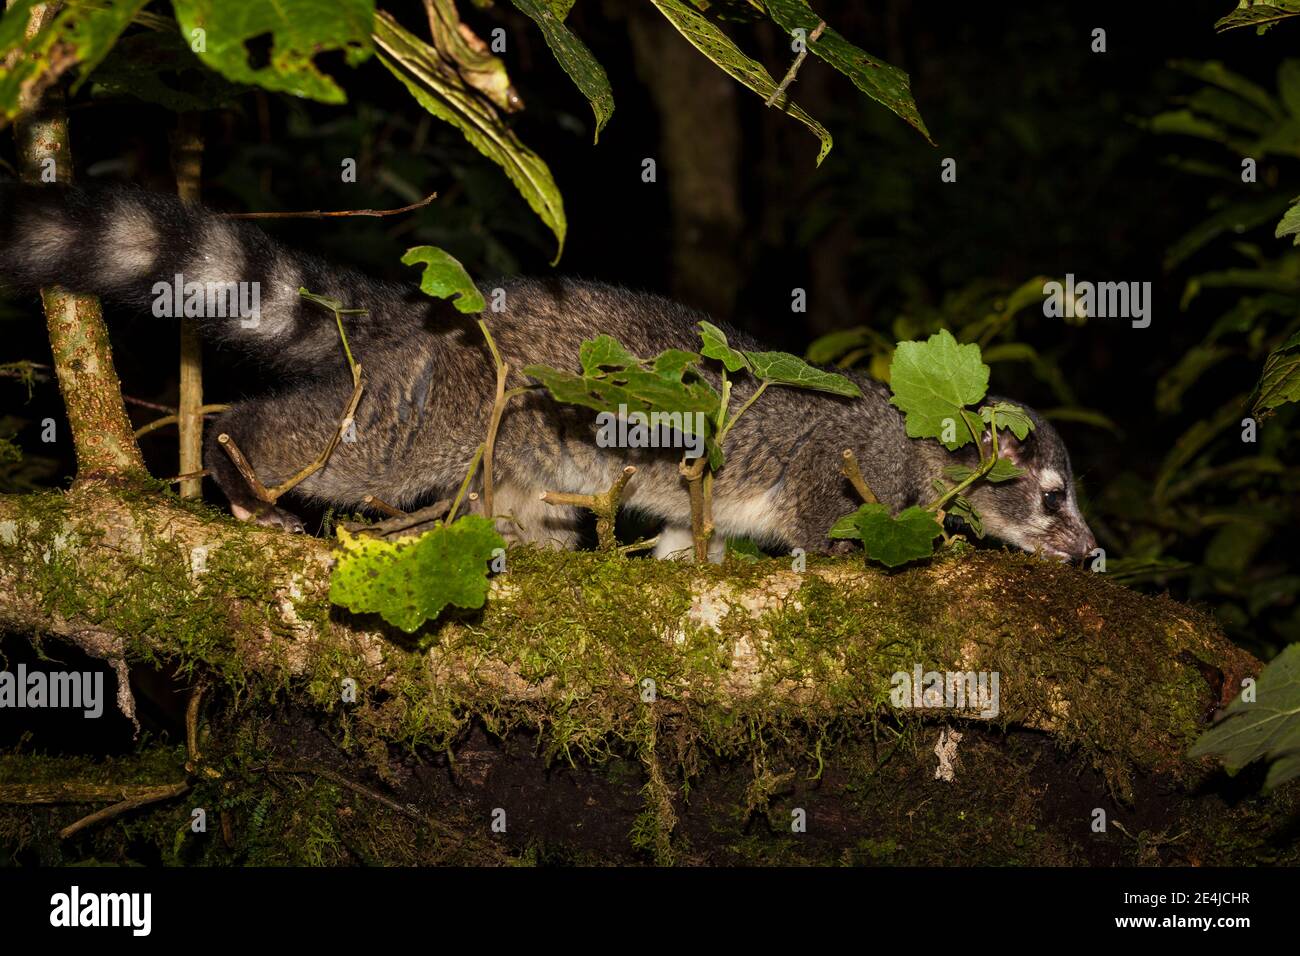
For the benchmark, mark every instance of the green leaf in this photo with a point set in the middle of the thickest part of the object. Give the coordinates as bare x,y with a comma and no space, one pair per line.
896,540
935,380
1215,73
411,580
846,527
1259,14
782,368
1280,382
1268,729
1290,224
960,507
1003,415
717,46
612,377
1003,470
299,29
886,84
445,278
160,68
716,347
604,351
440,90
574,57
78,36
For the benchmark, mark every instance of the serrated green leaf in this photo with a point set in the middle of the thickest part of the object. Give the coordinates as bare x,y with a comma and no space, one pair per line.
884,83
846,527
1003,470
299,29
716,347
1280,382
1268,728
782,368
441,91
604,351
410,581
1259,14
574,57
445,278
78,36
1003,415
894,541
718,47
935,380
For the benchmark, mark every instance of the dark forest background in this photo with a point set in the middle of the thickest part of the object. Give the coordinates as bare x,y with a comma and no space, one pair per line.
1059,170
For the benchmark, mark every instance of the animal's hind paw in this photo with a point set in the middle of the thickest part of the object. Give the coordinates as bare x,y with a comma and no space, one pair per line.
269,516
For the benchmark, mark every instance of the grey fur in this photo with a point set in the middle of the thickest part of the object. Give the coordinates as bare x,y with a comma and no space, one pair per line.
430,382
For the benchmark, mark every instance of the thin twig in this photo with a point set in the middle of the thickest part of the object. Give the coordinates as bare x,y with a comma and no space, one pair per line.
405,525
147,796
469,475
604,505
379,504
319,214
192,708
794,67
166,420
854,474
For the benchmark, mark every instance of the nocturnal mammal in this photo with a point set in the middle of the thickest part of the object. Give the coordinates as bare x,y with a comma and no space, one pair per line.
430,382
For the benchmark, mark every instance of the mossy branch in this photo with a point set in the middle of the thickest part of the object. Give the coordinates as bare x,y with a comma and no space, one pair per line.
83,360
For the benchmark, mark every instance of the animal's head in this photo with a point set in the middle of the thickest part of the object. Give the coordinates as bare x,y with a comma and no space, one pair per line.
1037,511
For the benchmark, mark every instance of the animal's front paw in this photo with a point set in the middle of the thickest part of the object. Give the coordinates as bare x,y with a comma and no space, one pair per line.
269,516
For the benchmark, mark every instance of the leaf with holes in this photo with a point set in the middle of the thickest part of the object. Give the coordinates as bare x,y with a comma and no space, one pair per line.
574,58
887,85
298,31
445,278
410,581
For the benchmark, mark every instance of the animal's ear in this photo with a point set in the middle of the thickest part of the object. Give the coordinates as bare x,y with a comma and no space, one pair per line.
1019,453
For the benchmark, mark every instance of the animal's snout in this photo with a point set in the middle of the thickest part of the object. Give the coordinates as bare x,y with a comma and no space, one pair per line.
1084,545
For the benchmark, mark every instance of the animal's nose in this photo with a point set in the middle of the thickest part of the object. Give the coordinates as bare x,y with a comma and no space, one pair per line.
1086,544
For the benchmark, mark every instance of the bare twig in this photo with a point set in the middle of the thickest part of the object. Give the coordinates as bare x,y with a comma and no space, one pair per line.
498,408
854,474
379,504
193,707
203,410
701,519
319,214
417,522
604,505
464,485
146,796
791,73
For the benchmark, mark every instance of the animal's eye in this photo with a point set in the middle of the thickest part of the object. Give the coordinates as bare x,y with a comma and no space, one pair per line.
1052,500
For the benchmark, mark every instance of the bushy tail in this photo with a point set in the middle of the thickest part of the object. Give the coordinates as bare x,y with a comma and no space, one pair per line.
153,253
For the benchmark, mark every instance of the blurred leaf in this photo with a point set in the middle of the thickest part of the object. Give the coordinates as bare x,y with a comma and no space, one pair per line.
442,92
445,278
574,57
1195,362
718,47
160,68
1235,219
299,31
884,83
1214,72
1085,416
